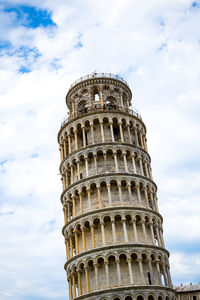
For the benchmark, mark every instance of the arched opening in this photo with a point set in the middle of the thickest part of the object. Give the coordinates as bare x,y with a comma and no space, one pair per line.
96,97
128,298
124,269
112,270
101,273
110,103
82,107
150,297
116,132
140,297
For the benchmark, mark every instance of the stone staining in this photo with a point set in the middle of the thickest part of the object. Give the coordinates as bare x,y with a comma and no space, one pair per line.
113,229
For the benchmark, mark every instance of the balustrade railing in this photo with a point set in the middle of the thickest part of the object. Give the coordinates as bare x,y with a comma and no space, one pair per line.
98,75
100,107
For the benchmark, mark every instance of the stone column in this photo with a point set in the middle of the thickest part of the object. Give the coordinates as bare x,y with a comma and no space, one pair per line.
83,133
79,283
136,136
92,236
138,195
145,144
76,139
141,139
89,199
95,164
118,271
152,233
68,211
92,132
99,196
120,193
69,143
103,233
74,285
67,248
61,152
86,167
70,288
116,163
109,194
113,231
129,191
129,133
65,148
74,206
158,270
133,162
78,169
144,231
111,130
135,231
83,238
158,237
161,237
65,213
156,203
141,270
125,161
151,198
141,167
107,273
71,246
64,181
87,279
146,169
150,269
105,162
96,276
130,270
76,242
102,131
165,274
121,132
125,230
146,196
72,173
81,201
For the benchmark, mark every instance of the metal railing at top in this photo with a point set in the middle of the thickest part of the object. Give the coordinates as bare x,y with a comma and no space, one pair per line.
98,75
100,107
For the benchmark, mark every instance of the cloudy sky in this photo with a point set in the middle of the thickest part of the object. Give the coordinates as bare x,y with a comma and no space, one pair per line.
45,45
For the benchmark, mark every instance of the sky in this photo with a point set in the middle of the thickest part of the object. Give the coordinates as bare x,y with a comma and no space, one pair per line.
45,45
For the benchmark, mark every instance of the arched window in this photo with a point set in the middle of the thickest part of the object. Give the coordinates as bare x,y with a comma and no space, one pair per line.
82,107
96,97
140,297
128,298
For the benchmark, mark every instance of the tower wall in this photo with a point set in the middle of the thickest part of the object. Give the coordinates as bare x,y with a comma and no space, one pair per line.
113,229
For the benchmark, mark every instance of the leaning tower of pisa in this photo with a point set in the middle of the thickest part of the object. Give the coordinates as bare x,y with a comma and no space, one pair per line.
113,229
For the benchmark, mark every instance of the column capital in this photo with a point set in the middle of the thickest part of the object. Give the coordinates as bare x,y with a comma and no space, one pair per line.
137,186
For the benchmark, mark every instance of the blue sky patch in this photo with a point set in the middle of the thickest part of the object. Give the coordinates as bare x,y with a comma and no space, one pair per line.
163,45
24,69
34,155
5,45
79,45
7,213
31,17
196,4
